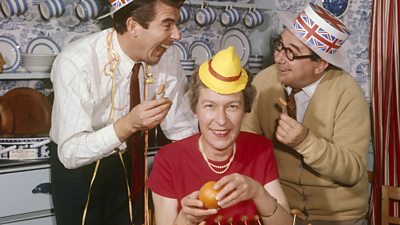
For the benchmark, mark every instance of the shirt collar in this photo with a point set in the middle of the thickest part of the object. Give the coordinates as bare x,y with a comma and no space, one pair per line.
310,89
125,63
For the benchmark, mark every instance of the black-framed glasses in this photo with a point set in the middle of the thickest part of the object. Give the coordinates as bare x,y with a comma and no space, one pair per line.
278,46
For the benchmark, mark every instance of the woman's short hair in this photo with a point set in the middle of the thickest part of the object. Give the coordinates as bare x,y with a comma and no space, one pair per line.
249,92
142,11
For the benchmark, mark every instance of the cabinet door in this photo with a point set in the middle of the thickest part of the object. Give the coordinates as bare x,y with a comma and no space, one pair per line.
50,220
25,191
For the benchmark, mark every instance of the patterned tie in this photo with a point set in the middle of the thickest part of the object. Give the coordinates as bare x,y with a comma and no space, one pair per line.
135,142
291,103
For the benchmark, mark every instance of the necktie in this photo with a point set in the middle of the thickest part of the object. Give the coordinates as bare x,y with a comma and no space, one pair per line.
291,103
135,142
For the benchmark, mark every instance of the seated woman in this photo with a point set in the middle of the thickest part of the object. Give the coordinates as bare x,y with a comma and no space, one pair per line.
242,163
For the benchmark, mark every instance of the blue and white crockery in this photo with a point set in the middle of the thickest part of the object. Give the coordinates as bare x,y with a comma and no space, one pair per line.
253,18
14,7
51,8
188,64
255,63
87,9
205,15
230,16
184,14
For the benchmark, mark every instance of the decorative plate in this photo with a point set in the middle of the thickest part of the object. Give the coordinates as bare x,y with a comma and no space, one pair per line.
11,52
336,7
238,39
181,50
6,117
42,45
200,52
31,110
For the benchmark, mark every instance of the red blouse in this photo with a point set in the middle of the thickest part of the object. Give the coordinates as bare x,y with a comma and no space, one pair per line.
179,169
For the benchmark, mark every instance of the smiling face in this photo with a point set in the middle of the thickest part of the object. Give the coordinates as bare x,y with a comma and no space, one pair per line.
148,45
220,117
298,73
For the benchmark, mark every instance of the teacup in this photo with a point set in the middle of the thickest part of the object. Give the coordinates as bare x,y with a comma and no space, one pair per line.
184,14
87,9
253,18
51,8
205,15
14,7
230,16
188,64
255,63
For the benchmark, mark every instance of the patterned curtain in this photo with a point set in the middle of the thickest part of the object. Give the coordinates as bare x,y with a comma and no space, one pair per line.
385,91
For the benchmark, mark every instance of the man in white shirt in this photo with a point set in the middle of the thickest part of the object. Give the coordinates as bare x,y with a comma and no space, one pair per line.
92,120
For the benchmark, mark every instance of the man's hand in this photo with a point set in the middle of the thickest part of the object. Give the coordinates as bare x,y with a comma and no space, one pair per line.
144,116
289,131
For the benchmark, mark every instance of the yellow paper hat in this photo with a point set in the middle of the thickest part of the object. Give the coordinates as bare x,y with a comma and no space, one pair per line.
223,73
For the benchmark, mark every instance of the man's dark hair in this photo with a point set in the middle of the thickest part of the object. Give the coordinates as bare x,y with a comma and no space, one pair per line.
142,11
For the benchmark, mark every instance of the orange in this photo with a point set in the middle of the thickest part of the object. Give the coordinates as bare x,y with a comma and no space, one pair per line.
207,195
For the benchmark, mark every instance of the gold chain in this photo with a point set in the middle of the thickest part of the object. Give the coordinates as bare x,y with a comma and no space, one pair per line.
212,166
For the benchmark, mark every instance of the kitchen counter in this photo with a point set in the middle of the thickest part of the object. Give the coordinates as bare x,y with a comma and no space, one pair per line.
15,164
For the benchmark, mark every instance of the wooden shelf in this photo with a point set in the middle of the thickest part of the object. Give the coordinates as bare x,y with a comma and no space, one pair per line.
24,76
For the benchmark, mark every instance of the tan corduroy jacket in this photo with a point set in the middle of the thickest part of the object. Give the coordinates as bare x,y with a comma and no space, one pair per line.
325,176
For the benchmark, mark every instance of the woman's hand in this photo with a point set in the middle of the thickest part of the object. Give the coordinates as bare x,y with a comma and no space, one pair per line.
192,211
235,188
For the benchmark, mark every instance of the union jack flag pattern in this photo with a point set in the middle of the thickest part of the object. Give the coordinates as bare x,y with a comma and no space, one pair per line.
316,34
117,4
330,18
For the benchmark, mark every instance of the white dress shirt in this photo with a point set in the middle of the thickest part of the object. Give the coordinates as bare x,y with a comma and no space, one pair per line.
82,118
303,98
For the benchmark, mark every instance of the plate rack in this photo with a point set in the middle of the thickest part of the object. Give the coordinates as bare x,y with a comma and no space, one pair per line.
24,75
225,4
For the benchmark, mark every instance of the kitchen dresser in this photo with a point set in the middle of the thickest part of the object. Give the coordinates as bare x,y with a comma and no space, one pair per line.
25,197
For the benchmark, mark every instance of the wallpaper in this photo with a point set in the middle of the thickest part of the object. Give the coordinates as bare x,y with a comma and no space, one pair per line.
208,39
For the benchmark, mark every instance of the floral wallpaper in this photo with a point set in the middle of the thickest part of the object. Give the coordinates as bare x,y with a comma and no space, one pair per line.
255,41
62,30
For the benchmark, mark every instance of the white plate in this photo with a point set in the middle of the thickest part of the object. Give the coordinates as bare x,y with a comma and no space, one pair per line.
181,49
11,53
200,52
237,39
42,45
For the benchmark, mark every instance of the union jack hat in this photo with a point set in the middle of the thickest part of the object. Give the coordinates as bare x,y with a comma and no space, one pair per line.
321,31
116,5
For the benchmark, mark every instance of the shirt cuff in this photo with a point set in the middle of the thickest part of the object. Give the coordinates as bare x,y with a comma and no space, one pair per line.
109,138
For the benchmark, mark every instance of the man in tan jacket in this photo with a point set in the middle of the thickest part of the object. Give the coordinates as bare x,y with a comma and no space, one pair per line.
322,151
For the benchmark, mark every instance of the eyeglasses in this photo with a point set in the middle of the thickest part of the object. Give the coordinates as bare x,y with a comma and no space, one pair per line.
278,46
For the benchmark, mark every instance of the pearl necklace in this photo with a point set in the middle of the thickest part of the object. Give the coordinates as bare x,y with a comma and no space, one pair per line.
212,166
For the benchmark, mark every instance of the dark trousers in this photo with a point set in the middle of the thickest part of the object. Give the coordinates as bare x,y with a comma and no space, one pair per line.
108,203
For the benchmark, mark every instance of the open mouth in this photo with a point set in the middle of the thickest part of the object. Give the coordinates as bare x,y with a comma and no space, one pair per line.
164,46
220,132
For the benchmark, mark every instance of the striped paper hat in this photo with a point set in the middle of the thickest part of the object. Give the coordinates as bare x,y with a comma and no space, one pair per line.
116,5
321,31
